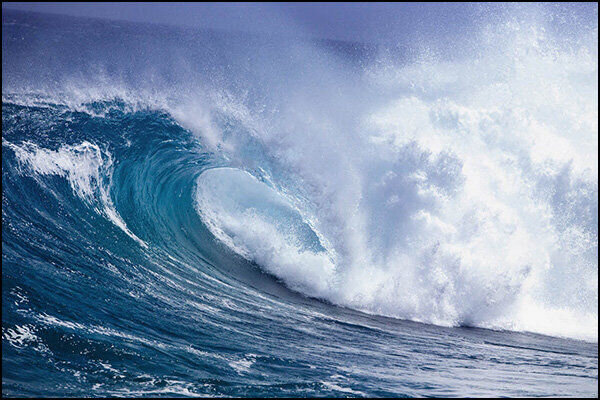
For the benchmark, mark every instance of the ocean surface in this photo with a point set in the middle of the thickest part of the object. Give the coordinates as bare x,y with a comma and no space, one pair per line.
203,213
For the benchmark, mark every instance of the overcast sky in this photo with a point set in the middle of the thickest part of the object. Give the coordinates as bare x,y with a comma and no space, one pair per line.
371,22
351,21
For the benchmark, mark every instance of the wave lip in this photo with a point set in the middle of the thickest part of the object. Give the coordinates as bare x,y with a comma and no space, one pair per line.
86,167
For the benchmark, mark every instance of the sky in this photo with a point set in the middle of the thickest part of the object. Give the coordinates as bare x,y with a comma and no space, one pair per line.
363,22
345,21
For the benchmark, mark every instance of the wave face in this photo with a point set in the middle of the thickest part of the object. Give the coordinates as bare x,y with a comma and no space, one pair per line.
204,213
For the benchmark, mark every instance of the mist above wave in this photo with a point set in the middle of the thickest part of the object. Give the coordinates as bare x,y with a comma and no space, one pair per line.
458,191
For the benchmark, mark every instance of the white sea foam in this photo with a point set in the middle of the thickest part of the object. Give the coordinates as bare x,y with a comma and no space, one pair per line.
464,192
258,223
85,166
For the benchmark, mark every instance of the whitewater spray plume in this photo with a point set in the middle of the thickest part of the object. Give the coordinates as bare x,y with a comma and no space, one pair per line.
456,190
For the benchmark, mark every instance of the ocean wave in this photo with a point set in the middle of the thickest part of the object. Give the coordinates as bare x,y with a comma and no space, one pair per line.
268,200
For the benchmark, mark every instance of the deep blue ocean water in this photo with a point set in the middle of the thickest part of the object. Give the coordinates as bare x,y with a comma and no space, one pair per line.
129,270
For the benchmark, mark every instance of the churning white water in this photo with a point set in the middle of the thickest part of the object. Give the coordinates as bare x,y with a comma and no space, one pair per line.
455,189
